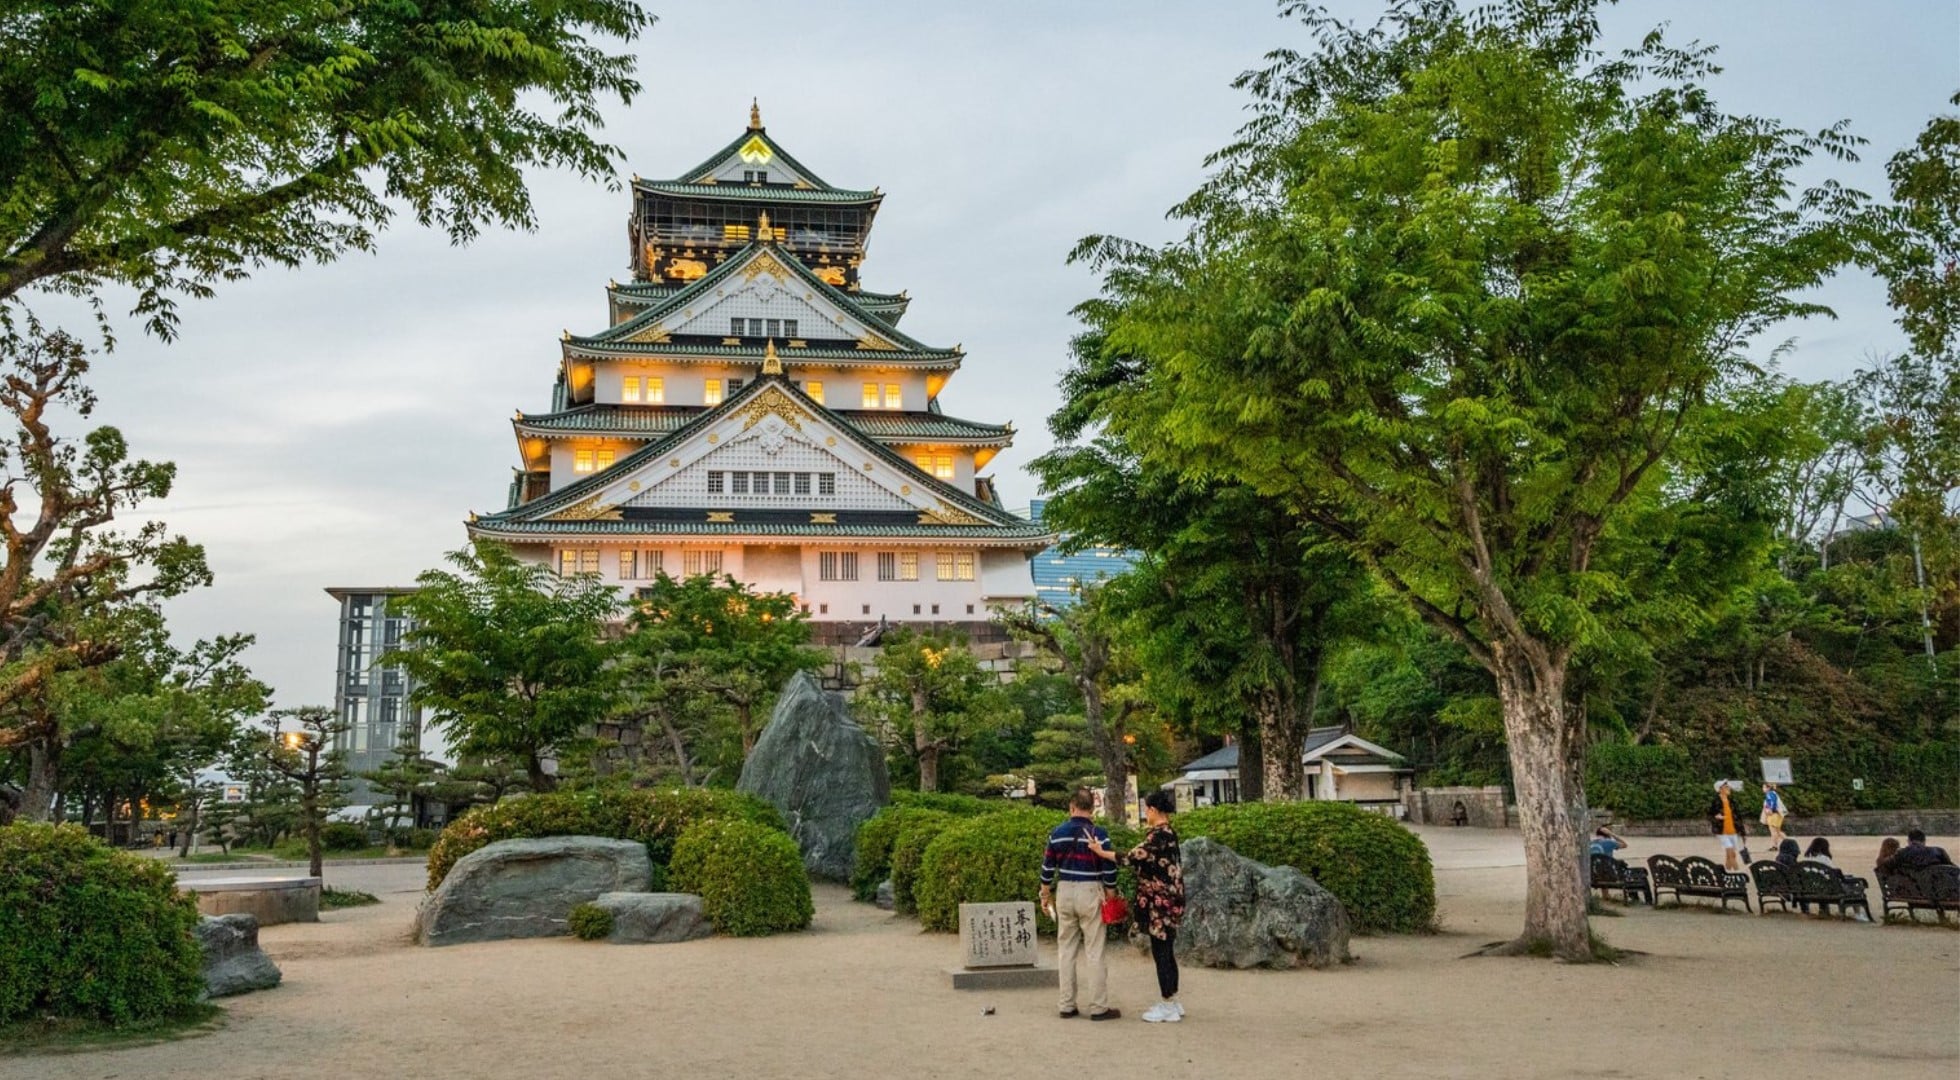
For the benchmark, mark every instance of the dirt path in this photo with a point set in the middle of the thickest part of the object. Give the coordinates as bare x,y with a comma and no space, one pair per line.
864,995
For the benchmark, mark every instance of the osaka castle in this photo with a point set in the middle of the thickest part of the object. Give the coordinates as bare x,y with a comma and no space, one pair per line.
750,409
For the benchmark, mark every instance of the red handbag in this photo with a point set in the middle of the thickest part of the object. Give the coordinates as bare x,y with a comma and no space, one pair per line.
1115,911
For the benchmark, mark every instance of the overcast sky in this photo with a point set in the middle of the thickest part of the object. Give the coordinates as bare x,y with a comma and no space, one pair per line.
334,425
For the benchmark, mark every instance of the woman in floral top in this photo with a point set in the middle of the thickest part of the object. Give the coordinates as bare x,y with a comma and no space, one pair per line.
1160,897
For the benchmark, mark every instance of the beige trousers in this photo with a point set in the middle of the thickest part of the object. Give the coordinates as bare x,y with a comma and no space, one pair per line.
1079,925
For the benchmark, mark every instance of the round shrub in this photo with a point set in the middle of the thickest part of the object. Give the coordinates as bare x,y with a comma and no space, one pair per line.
91,933
963,805
1377,869
921,828
590,922
750,877
876,836
655,818
983,860
343,836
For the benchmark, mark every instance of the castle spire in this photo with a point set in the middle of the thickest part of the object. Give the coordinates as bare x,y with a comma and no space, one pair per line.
755,115
771,363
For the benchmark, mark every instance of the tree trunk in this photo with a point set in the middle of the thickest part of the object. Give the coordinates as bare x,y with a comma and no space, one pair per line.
1111,751
541,781
1551,804
43,761
925,748
1252,761
680,750
744,718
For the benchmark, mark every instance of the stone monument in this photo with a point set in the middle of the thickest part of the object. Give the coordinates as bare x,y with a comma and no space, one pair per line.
1001,948
824,772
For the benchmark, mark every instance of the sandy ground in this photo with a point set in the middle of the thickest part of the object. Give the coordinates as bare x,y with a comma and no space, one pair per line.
864,994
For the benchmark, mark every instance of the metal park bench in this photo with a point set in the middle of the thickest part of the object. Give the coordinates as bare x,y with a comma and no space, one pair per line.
1610,875
1806,883
1696,876
1932,888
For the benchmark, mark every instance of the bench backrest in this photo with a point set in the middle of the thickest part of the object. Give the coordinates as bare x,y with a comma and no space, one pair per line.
1704,873
1771,878
1816,879
1941,884
1606,870
1667,870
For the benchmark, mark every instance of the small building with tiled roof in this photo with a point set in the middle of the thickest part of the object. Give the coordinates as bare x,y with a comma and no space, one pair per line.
749,410
1340,766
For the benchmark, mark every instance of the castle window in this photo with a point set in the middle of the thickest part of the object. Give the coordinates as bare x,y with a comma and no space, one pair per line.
802,483
827,483
582,461
741,483
656,391
696,563
871,395
815,390
898,566
837,566
939,465
711,394
715,484
892,400
602,460
782,483
629,390
573,561
955,566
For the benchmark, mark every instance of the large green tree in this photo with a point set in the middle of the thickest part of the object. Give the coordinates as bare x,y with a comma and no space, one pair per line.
512,660
929,696
1453,295
171,144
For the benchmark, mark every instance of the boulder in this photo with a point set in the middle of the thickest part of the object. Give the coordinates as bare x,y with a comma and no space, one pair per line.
1240,914
233,961
815,764
886,898
528,888
641,918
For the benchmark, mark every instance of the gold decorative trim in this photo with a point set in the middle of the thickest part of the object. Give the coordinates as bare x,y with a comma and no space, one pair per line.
830,440
771,363
721,517
873,341
905,489
713,438
634,486
652,335
765,263
823,519
773,403
948,514
590,509
673,463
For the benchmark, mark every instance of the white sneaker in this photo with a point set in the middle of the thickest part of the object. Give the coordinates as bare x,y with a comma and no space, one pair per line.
1179,1006
1162,1013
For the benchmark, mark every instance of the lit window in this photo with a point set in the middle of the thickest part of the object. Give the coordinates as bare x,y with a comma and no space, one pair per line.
696,563
815,390
603,459
629,565
712,394
567,562
891,396
871,395
908,566
827,483
734,232
629,390
582,461
939,465
578,561
656,391
715,484
956,566
837,566
588,561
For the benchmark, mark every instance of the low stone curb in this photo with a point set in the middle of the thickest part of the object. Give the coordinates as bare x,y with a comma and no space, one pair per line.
287,864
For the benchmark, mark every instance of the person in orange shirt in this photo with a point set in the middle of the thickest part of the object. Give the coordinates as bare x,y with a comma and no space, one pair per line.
1725,823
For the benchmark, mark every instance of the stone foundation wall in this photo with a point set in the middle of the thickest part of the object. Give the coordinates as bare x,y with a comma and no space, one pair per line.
1484,806
1843,823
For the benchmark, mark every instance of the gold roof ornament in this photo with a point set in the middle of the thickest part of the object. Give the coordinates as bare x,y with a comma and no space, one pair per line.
755,115
771,363
762,230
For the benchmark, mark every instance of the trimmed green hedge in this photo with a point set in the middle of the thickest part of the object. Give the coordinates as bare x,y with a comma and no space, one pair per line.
921,828
91,933
750,877
1648,783
876,836
655,818
1379,870
984,860
590,922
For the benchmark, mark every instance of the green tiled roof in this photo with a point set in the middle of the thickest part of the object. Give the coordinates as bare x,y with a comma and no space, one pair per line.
767,193
571,493
886,305
926,358
662,419
1031,534
735,147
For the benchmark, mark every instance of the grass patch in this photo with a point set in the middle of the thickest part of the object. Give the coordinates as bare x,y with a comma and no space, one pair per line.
50,1035
332,899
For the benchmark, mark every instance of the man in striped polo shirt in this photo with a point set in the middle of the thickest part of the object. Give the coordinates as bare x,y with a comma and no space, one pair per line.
1076,902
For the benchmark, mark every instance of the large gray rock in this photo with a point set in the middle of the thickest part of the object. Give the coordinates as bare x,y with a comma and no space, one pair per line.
528,888
1240,914
233,961
886,898
641,918
827,776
